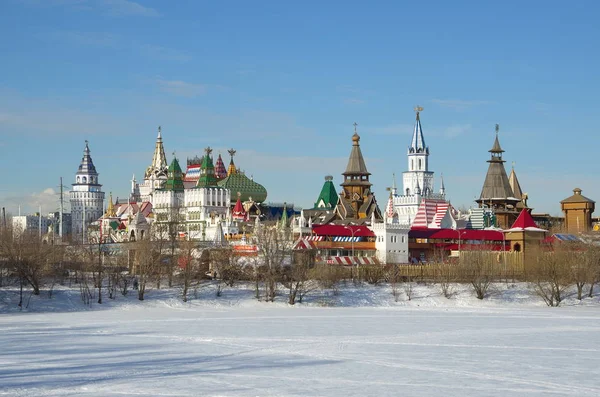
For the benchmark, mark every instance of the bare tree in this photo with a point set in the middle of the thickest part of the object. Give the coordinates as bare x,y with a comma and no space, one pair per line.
226,267
408,287
275,250
477,269
297,276
393,277
550,274
146,264
22,252
592,257
445,277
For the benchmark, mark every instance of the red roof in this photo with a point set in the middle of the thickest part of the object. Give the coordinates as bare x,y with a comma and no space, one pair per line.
452,234
524,220
341,230
238,211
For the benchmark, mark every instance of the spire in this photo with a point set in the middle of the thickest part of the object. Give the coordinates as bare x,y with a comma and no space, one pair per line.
442,187
87,168
394,190
220,171
284,217
110,211
219,240
159,160
496,150
390,204
417,144
231,170
514,183
174,176
496,186
207,171
356,162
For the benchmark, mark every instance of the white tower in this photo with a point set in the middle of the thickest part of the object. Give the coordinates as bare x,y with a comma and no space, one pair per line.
87,197
418,179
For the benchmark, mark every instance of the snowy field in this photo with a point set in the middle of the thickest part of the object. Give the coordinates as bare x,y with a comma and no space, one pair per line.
359,342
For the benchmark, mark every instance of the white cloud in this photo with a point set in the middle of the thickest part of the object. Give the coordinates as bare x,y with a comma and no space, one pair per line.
181,88
115,8
353,101
456,130
459,104
120,8
48,199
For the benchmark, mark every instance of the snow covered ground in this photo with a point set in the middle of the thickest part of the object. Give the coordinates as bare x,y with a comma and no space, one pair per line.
359,342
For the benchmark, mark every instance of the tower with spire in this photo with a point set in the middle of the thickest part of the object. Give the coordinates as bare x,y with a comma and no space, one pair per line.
418,181
497,193
356,199
156,173
86,197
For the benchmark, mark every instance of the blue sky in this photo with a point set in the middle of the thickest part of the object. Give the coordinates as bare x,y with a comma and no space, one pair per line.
282,82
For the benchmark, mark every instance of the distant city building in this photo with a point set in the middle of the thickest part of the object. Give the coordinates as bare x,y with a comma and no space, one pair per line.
31,224
87,197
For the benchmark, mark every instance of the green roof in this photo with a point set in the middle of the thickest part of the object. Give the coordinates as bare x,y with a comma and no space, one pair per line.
245,186
207,173
328,197
174,176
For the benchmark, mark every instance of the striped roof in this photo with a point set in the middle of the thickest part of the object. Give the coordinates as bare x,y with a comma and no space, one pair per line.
192,173
431,213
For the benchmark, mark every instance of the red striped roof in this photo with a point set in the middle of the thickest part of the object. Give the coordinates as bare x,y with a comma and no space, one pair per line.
341,230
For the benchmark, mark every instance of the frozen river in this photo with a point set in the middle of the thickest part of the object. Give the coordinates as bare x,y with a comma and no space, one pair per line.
262,350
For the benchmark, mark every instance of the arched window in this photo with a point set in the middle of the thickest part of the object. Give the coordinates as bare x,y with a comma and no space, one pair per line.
412,165
407,191
517,247
84,179
419,163
78,180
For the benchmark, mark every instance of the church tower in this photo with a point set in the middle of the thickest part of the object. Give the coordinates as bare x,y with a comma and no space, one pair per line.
156,174
87,197
418,179
356,199
497,193
356,177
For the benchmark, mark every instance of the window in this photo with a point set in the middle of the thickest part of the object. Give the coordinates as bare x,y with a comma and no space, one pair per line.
419,163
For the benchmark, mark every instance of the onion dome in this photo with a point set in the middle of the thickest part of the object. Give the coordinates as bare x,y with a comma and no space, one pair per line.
247,188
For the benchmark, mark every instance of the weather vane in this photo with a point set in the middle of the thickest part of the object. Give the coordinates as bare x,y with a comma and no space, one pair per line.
231,152
208,151
497,128
355,124
418,109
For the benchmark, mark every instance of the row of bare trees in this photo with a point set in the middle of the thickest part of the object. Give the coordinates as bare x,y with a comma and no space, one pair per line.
26,261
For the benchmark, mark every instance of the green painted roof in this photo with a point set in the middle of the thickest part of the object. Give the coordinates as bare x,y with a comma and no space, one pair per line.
245,186
207,173
328,197
174,176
